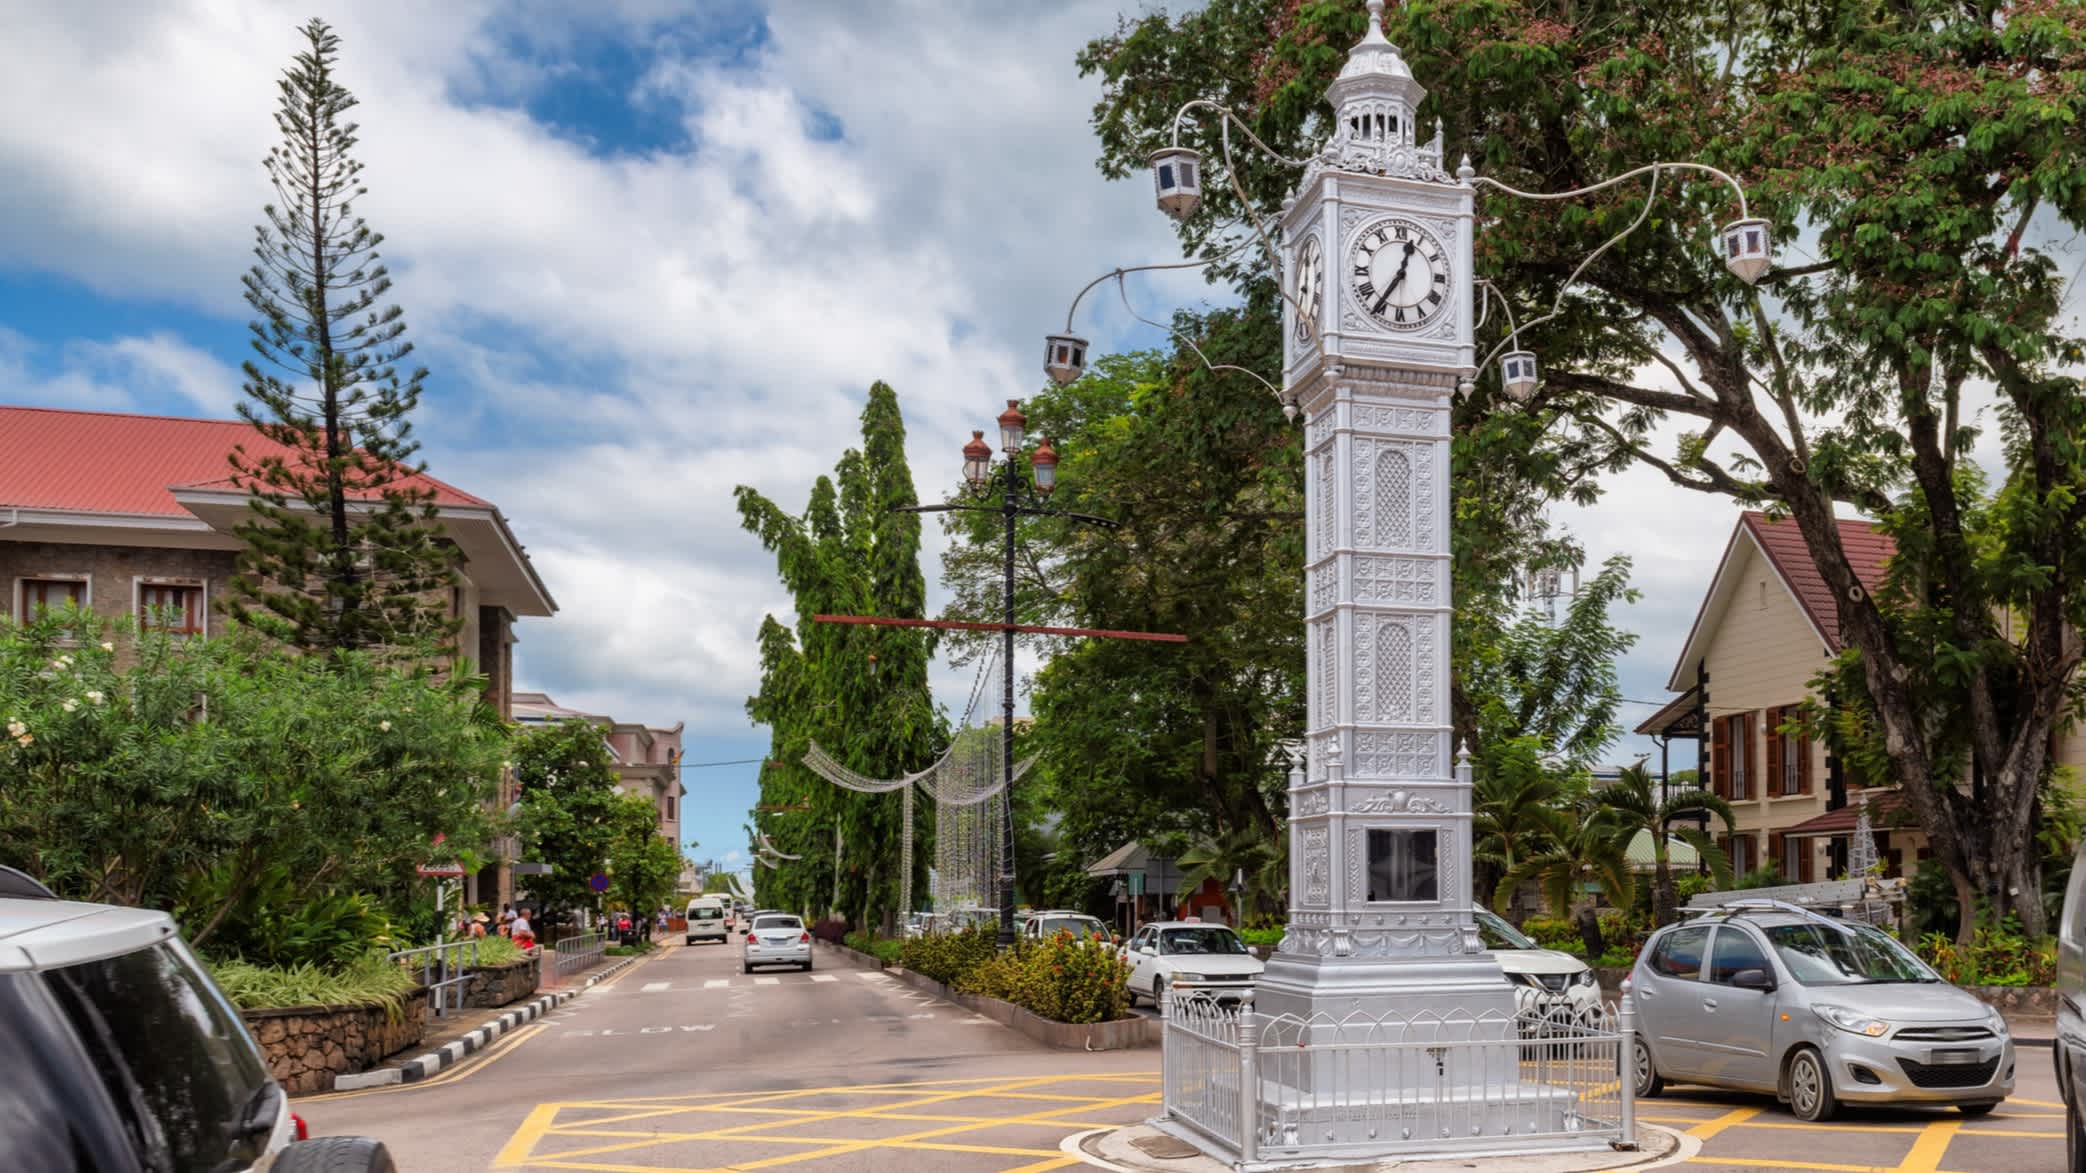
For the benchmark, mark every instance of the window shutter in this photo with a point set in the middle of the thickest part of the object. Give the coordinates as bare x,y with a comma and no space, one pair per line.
1720,757
1806,853
1777,846
1773,778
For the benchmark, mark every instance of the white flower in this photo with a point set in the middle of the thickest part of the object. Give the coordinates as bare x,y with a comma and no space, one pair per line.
384,725
69,704
108,646
59,663
16,729
94,696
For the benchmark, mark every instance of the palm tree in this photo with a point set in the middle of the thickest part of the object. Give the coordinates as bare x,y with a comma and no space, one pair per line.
1582,861
1511,798
1634,807
1262,859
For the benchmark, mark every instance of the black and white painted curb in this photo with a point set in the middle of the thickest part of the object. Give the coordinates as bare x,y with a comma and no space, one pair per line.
449,1054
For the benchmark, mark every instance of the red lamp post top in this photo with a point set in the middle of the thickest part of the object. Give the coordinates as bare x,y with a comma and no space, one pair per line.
977,460
1013,427
1044,461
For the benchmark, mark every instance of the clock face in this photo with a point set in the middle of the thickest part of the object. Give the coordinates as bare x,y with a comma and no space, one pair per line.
1310,288
1400,274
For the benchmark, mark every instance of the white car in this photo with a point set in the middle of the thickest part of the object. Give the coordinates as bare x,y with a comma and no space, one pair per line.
1174,954
1547,983
777,938
708,920
1042,926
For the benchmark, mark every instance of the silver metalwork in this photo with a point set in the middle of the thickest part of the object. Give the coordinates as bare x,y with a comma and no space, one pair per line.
577,952
444,970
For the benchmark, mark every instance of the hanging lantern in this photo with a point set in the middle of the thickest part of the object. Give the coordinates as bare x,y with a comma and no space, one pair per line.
1064,356
1013,427
1747,249
1177,177
1044,461
1517,372
977,461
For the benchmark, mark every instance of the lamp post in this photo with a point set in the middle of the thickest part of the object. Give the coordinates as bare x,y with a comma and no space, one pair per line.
1016,500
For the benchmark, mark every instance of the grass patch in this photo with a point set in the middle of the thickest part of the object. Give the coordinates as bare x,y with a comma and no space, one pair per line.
373,981
637,950
495,950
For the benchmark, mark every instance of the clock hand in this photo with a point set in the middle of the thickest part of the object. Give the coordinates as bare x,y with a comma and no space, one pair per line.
1403,263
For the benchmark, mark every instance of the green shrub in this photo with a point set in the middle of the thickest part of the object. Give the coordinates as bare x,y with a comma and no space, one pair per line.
883,949
497,950
369,981
1268,937
1998,955
945,957
1618,957
1553,932
1062,979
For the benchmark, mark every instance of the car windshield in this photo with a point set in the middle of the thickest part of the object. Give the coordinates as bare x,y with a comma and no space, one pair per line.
781,923
1496,933
1205,940
1084,928
709,914
1819,955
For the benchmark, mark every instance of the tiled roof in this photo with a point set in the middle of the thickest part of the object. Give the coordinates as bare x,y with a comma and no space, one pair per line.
105,462
1868,548
1885,808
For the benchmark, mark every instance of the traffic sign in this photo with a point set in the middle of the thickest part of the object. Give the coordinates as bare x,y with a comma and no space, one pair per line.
598,881
445,870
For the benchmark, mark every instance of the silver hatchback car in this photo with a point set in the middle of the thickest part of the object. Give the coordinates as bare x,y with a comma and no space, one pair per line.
1769,997
776,938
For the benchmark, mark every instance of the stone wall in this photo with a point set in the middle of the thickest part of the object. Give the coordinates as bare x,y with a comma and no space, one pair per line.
497,985
308,1046
113,573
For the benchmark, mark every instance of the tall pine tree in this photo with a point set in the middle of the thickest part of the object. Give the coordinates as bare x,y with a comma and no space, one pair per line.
860,692
343,548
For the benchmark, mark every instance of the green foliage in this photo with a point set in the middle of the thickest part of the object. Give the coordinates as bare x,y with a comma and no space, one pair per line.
270,925
1767,875
147,764
884,949
496,950
1262,858
859,691
1266,938
1635,807
1581,861
569,804
342,548
368,981
1059,979
1997,955
1550,680
1552,932
945,957
643,868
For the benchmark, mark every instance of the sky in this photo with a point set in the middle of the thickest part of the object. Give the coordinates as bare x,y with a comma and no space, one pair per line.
650,251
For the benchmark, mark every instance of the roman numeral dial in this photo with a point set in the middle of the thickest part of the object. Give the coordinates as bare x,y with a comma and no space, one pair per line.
1398,274
1310,289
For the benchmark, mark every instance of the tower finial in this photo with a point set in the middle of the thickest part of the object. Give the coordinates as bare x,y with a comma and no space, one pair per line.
1375,32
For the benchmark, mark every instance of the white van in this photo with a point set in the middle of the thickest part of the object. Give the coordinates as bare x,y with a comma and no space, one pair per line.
707,921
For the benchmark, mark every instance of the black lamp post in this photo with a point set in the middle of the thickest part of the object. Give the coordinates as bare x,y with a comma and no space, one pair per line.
1016,500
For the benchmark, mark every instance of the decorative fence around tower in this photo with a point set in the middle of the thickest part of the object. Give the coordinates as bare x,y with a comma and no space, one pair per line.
1254,1088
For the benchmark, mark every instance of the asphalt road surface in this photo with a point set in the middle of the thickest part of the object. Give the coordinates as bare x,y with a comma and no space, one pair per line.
685,1063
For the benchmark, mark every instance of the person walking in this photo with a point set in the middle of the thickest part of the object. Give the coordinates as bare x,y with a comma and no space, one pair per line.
524,936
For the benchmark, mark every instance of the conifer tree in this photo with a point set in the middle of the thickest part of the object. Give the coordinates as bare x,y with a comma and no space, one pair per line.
342,546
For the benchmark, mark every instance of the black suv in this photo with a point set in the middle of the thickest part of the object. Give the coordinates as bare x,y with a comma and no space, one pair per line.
121,1056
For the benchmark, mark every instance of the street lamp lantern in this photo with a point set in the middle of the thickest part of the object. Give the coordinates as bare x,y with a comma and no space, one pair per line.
1064,356
1044,461
977,462
1747,249
1177,179
1013,427
1517,372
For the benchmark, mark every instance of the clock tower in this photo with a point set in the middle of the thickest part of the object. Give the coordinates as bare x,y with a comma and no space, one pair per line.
1376,249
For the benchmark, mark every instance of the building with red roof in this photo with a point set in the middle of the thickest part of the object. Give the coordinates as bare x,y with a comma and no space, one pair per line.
131,515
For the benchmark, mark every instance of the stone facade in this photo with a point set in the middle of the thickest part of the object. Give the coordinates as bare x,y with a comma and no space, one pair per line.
498,985
307,1047
113,574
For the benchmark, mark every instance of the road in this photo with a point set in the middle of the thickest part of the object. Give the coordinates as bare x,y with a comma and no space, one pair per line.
685,1063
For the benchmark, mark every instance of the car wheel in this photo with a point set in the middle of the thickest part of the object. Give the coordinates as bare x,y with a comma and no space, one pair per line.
335,1154
747,966
1975,1110
1645,1071
1810,1088
1158,993
807,967
2074,1144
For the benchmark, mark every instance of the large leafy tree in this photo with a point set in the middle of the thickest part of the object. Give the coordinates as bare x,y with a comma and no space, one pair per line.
1581,861
860,692
1911,153
342,548
642,866
567,777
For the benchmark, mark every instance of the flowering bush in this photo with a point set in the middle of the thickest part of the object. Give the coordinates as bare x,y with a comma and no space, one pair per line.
1998,955
1062,979
946,957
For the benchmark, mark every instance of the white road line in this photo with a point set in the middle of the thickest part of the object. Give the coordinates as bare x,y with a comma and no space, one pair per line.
718,984
764,981
655,987
824,977
870,975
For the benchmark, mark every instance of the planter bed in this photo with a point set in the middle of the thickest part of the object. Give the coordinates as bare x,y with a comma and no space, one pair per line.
497,985
1122,1034
307,1047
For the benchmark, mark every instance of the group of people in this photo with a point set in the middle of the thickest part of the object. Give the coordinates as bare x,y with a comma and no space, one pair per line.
511,924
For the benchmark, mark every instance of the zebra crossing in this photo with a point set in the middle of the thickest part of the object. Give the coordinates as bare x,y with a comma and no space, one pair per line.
764,980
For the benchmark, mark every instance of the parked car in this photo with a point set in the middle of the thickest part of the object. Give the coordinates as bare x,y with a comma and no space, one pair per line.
706,921
2069,1054
1175,954
777,938
1769,997
122,1056
1548,983
1042,925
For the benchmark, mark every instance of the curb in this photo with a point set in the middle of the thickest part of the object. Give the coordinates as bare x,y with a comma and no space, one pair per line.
421,1067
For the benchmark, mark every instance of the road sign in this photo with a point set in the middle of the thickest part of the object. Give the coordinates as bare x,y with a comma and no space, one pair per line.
598,881
445,870
532,869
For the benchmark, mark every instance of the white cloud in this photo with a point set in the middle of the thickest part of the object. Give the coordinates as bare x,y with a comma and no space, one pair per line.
114,375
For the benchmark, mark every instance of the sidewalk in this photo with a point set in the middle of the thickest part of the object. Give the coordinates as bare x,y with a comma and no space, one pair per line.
2029,1031
460,1033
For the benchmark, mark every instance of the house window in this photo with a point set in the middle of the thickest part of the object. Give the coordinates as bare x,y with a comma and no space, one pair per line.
1740,849
1402,865
171,607
669,808
1788,753
1732,756
48,594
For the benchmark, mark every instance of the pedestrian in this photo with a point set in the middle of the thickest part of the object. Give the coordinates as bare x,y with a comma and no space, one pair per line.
478,924
524,936
507,920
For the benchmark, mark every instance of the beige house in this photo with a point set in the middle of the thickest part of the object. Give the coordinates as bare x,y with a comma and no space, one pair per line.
648,760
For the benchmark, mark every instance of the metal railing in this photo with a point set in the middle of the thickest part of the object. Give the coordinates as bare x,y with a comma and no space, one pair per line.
1257,1088
444,969
575,953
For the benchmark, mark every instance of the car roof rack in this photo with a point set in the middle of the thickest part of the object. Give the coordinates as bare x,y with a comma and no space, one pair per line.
1745,904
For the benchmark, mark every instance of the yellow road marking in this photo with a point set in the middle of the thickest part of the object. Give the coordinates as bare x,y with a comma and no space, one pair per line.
2035,1103
1040,1166
1766,1163
516,1150
1710,1128
1931,1146
2011,1132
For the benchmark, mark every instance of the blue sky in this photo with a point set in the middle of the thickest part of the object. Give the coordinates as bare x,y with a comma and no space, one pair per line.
650,250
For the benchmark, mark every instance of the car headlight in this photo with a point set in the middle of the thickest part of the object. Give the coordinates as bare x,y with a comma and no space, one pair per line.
1184,976
1583,978
1852,1021
1997,1020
